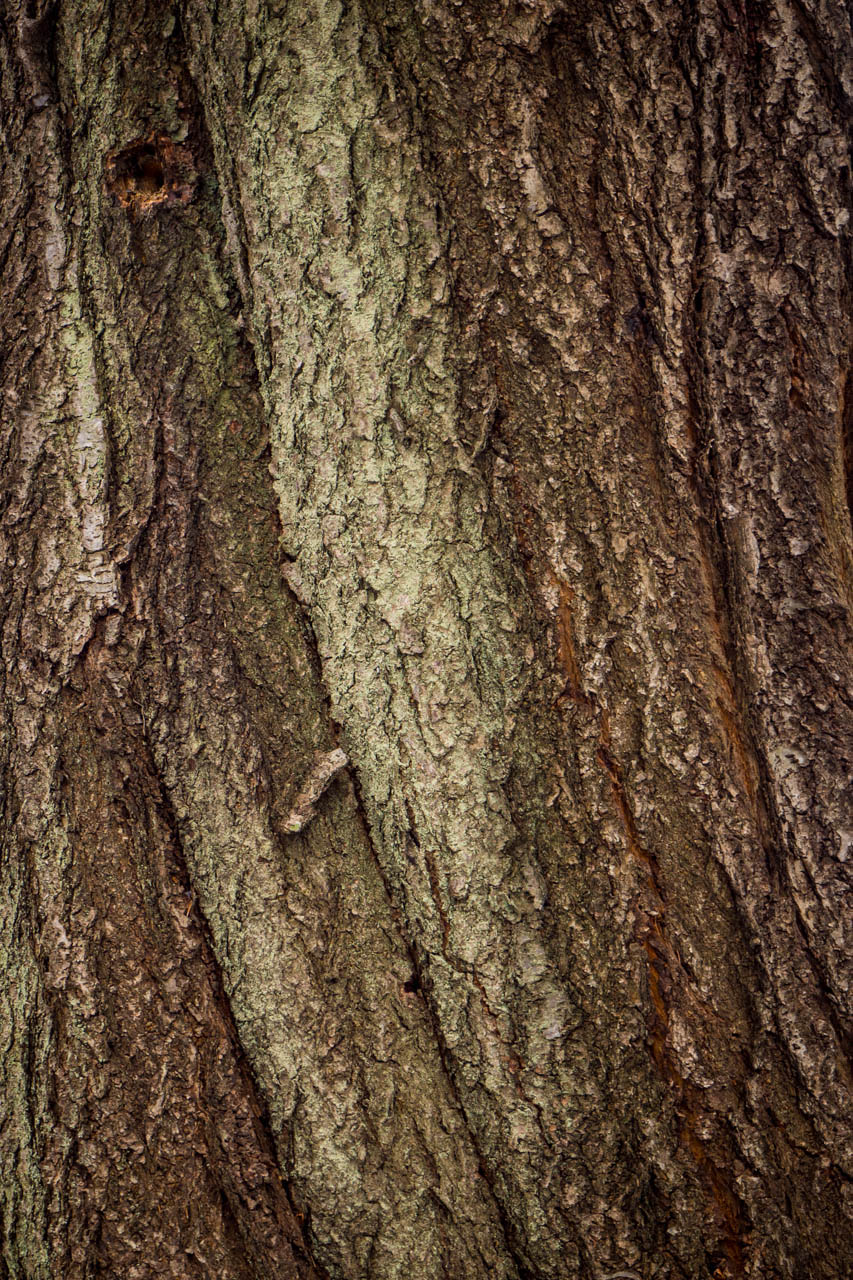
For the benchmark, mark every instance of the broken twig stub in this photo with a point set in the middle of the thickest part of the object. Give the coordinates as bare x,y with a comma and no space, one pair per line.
325,768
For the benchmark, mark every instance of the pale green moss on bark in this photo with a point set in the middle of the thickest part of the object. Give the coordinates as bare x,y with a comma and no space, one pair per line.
409,421
427,636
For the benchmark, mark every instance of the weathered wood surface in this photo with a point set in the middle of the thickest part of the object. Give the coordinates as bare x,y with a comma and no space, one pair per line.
426,639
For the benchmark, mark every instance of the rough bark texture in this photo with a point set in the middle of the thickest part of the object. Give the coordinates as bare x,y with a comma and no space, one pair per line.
426,639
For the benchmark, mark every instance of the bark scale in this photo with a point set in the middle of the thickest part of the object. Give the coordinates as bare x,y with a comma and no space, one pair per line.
460,391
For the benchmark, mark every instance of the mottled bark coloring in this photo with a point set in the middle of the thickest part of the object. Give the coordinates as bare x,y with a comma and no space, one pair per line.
426,646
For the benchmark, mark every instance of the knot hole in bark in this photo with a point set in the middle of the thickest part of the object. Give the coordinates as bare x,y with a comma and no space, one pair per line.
150,171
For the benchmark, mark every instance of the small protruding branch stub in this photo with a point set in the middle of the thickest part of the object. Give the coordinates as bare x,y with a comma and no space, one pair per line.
325,768
150,171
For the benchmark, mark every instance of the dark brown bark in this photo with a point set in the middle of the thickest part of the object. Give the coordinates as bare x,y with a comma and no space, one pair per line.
426,639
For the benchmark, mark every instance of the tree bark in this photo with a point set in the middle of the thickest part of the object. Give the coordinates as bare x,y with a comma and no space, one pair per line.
426,639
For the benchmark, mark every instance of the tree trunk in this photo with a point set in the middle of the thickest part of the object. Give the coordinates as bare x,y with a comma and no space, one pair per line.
426,639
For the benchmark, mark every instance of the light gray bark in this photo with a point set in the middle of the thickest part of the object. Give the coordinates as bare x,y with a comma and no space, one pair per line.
426,639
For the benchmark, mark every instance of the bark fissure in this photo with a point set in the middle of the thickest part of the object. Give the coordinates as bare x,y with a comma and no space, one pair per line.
420,985
286,1213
